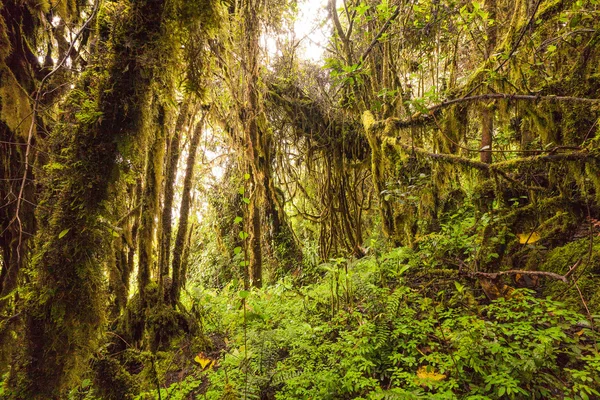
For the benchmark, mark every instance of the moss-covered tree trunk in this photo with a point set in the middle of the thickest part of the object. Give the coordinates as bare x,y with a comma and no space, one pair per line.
66,303
19,74
150,205
173,153
249,117
487,112
184,211
378,176
185,258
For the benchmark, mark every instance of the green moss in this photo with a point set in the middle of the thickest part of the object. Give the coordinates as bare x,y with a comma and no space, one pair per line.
5,47
15,105
38,6
66,305
112,381
378,174
593,173
66,9
560,259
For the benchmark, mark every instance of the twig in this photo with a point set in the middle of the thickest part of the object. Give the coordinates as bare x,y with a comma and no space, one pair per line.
7,320
572,269
118,336
587,310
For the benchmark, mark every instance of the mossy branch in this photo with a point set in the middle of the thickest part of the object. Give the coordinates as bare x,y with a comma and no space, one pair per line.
454,159
498,167
427,117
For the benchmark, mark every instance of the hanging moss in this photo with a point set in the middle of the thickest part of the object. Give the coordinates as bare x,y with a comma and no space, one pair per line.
5,47
377,171
66,9
15,105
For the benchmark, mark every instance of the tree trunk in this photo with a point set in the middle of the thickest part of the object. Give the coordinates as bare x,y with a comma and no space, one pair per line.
170,173
19,76
254,245
249,117
63,322
185,257
487,130
150,209
186,200
487,113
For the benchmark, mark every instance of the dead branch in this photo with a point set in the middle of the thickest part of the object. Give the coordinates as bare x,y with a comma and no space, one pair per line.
495,275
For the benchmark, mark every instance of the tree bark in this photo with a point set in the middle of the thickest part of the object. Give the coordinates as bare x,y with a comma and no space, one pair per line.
487,113
487,130
173,154
63,322
184,211
150,209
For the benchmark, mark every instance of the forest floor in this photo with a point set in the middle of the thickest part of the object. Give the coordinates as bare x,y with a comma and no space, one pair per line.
379,328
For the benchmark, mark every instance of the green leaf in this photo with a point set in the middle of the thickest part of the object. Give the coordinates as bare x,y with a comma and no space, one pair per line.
459,287
243,235
241,190
246,200
361,9
575,21
244,263
237,220
403,269
237,250
63,233
246,176
243,294
55,166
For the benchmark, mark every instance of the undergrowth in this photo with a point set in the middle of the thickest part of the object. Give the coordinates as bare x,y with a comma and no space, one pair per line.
364,332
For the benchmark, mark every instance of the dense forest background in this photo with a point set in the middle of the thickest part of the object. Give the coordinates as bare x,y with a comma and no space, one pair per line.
191,207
